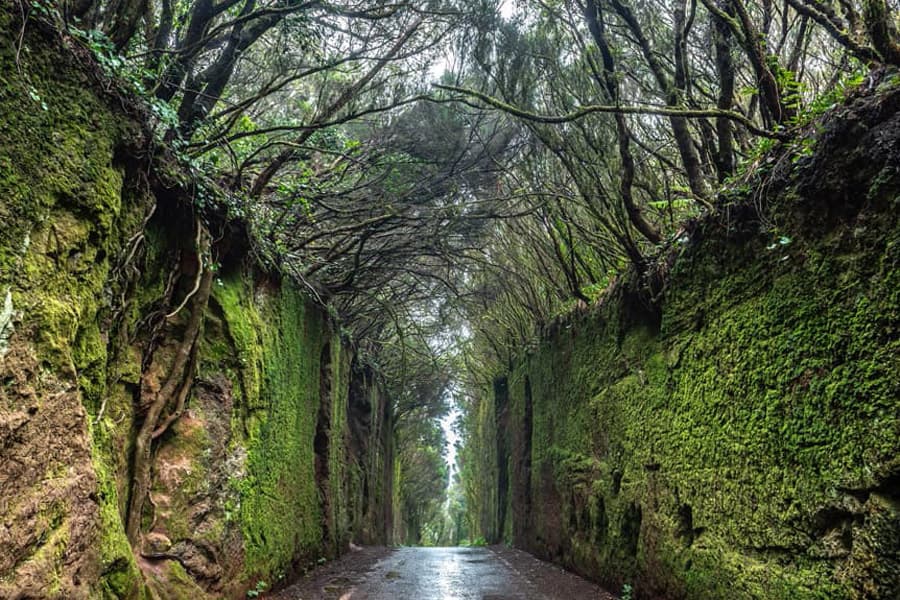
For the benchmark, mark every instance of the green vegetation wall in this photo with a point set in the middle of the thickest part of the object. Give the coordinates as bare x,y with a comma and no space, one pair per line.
736,432
279,458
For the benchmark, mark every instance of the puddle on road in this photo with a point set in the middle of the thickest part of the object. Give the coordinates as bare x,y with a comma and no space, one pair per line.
449,576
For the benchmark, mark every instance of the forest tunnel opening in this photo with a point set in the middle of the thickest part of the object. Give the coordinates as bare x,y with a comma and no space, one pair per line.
442,223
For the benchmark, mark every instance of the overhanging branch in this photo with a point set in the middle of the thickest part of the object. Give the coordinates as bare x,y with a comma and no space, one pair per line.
584,111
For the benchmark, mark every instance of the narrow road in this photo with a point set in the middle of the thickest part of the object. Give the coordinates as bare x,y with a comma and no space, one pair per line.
494,573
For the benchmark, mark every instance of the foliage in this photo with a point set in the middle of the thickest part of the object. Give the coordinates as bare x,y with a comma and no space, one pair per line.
380,204
423,482
445,228
714,443
258,589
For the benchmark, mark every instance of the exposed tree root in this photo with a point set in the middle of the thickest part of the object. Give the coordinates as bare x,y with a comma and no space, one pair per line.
171,396
182,396
196,287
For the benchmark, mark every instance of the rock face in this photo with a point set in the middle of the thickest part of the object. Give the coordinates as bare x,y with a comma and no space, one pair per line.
736,432
283,452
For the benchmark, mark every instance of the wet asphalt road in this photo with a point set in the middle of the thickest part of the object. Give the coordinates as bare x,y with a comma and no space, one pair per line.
494,573
439,573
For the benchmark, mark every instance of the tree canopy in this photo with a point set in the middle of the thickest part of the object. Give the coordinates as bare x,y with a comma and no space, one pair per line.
450,174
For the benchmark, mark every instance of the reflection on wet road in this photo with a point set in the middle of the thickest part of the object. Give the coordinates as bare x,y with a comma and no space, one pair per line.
463,574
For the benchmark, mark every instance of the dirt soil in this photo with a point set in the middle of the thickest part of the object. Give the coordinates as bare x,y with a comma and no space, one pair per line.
49,512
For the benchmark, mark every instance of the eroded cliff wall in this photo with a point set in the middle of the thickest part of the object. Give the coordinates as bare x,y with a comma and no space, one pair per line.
735,432
281,452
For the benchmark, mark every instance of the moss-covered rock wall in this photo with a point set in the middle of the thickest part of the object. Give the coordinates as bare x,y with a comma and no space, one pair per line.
257,480
65,211
280,455
736,432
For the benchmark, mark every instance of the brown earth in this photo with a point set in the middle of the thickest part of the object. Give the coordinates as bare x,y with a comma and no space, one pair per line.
49,502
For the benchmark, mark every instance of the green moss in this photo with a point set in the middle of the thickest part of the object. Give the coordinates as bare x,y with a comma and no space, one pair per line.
716,457
58,158
68,213
266,341
244,344
64,220
172,582
48,559
338,471
119,576
279,507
